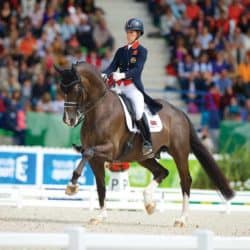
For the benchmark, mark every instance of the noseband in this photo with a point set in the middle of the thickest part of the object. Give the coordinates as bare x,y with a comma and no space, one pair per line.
82,110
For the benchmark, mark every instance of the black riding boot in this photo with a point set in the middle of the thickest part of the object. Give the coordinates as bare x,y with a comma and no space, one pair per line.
146,136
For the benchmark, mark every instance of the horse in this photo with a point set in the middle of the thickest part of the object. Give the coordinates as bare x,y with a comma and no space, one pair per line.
104,137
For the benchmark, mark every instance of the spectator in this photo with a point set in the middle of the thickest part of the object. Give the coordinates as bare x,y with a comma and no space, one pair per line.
225,100
88,6
223,82
102,36
5,13
39,88
243,70
57,105
232,112
246,41
205,38
236,45
222,23
180,50
27,44
192,10
36,17
208,7
44,104
211,107
245,111
203,66
244,23
68,29
84,33
178,8
167,21
235,9
94,59
186,73
51,28
107,59
219,65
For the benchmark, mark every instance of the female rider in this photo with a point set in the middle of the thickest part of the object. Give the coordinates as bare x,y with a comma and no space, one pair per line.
130,60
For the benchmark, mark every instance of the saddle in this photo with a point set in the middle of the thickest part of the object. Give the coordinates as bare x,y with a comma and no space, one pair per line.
154,121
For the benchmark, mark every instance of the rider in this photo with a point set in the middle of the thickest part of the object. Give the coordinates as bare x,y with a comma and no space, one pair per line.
130,60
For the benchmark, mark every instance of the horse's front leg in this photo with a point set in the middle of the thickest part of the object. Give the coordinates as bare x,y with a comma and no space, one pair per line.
103,151
72,187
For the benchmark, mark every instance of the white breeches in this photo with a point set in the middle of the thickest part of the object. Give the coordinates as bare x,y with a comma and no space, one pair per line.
136,97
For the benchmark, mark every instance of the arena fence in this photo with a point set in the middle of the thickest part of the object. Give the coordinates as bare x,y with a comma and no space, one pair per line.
75,238
128,199
35,176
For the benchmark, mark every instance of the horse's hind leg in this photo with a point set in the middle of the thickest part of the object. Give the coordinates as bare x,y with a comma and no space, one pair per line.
99,172
181,160
159,173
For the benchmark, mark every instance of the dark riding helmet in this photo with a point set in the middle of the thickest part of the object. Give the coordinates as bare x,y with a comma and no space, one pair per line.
134,24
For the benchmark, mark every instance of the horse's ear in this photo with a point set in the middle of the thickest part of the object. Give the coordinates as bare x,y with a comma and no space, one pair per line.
57,69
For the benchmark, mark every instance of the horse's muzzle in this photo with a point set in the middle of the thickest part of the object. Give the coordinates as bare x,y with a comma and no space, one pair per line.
71,121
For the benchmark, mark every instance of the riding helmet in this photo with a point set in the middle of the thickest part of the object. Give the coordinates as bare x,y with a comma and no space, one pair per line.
134,24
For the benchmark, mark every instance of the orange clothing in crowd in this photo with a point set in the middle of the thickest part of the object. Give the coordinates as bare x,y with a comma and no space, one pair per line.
27,45
244,71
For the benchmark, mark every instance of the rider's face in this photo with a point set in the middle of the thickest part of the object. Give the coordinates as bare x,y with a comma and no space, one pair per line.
131,36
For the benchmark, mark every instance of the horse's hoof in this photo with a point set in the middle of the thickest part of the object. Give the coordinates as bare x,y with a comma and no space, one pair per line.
95,221
179,223
150,208
71,189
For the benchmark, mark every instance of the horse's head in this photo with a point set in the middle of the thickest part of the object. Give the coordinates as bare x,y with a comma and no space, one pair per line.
73,95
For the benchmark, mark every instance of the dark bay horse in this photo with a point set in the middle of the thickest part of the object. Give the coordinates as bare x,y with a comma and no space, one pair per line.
104,136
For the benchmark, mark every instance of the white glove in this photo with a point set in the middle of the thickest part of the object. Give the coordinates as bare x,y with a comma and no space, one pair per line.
118,76
104,76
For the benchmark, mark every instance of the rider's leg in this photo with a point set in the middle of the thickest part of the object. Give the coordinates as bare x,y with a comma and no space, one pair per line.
138,102
146,135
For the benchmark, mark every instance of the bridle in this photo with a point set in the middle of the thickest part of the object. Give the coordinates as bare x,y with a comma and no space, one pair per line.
81,109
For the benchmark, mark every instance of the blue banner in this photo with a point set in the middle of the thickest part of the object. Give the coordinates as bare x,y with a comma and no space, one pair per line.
58,169
18,168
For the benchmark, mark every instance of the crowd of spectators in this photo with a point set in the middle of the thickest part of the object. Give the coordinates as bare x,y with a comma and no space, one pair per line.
35,35
209,44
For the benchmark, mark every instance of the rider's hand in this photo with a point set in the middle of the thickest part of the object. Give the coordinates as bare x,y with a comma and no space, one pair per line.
104,77
118,76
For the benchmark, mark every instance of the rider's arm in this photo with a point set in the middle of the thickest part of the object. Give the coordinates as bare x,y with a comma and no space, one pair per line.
136,71
113,65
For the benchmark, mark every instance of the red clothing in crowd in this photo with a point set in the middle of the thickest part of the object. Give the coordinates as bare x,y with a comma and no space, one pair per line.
223,23
192,11
235,11
94,60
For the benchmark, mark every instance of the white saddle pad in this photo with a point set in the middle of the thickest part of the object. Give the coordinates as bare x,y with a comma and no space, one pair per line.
154,121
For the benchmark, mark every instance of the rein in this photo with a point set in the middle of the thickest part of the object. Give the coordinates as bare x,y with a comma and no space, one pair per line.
88,107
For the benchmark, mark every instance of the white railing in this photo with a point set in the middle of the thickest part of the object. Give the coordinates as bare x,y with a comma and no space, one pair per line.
132,198
75,238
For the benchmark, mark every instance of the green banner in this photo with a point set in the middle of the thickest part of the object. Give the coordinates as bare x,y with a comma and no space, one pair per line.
48,130
141,177
233,135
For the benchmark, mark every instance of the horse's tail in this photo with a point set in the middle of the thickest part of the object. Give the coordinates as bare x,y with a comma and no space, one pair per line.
210,166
